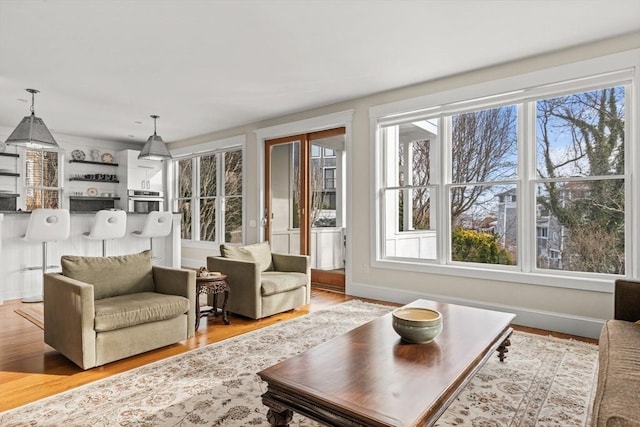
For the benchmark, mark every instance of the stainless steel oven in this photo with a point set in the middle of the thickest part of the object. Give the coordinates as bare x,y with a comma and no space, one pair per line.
143,201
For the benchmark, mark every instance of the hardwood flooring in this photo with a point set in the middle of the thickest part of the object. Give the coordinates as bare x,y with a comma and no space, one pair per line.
31,370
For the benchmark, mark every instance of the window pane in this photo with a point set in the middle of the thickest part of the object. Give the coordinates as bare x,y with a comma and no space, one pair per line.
484,145
184,207
315,150
581,134
233,173
42,168
584,226
486,231
233,220
408,225
407,149
208,169
208,220
185,178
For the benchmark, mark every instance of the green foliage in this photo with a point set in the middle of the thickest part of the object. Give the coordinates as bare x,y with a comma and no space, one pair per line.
473,246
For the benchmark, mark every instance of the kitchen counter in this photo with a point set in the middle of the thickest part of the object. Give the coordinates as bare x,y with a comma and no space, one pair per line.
16,253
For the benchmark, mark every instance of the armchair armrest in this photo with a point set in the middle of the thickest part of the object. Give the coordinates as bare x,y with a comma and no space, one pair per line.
175,281
244,281
627,300
294,263
69,317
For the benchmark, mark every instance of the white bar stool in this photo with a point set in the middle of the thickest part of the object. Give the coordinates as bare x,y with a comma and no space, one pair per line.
46,225
157,224
108,224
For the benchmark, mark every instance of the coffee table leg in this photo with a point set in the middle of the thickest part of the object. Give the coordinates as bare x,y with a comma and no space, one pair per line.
503,348
225,318
279,419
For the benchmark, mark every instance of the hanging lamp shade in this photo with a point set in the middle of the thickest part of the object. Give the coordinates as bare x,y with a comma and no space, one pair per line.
154,148
31,131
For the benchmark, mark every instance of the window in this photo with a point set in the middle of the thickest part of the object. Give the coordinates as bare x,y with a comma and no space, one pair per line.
488,181
42,179
329,178
328,152
209,197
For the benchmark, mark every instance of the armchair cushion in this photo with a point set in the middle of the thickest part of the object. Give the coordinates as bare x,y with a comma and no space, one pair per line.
257,252
135,309
275,282
111,276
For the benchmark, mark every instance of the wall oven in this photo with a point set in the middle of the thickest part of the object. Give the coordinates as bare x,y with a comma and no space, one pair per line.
142,201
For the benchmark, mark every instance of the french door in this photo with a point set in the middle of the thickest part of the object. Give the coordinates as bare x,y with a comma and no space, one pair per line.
304,200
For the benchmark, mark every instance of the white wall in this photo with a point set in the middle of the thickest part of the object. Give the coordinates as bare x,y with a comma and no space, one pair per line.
568,310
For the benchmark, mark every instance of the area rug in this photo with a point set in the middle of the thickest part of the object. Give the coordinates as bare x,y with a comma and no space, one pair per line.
34,313
544,381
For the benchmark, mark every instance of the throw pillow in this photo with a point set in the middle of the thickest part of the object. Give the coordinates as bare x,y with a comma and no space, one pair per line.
113,275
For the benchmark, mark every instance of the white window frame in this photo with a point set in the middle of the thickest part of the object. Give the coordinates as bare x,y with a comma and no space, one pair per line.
611,70
218,147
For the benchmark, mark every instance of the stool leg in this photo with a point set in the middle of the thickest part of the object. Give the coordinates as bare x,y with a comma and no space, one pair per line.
38,298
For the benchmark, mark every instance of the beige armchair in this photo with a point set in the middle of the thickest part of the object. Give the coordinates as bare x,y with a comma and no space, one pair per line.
102,309
262,283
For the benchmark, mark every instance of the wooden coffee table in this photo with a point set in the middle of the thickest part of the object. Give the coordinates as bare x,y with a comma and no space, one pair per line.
369,377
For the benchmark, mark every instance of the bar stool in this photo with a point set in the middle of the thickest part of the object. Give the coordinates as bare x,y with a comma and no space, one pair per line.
157,224
44,226
108,224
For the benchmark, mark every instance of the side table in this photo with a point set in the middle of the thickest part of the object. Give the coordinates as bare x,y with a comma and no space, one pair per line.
212,285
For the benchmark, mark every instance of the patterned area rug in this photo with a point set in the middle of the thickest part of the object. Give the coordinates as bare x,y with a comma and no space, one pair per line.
544,381
34,313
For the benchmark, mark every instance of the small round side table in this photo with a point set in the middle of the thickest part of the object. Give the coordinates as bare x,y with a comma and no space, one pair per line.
212,285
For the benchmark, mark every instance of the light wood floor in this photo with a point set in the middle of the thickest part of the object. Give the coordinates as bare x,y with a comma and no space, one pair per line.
31,370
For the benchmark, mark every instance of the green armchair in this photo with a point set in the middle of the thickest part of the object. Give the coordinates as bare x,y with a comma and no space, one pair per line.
103,309
262,283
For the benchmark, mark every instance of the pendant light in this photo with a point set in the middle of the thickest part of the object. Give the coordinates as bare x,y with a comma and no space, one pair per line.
31,132
155,148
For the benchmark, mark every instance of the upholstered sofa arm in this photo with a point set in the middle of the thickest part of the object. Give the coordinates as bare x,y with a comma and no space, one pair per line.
295,263
174,281
244,281
68,318
627,300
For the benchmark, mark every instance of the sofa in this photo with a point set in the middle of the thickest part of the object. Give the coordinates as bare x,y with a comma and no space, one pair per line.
616,401
262,283
102,309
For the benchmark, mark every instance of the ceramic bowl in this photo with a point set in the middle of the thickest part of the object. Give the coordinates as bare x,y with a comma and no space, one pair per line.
417,325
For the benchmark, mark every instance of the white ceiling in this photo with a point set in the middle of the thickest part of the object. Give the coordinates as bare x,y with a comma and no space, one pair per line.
104,66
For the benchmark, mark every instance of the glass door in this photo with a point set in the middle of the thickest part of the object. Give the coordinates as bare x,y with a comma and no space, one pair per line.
305,201
286,224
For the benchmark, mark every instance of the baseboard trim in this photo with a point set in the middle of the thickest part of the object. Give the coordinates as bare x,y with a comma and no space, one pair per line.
552,321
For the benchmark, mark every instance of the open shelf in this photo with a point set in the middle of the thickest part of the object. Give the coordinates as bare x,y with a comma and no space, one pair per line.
93,180
89,162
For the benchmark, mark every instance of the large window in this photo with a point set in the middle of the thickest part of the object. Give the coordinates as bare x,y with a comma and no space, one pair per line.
530,181
42,179
209,197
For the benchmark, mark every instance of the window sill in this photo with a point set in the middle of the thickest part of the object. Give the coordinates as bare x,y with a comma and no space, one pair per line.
199,244
558,279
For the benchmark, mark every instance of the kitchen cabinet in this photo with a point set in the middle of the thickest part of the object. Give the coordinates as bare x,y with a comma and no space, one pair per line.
140,174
